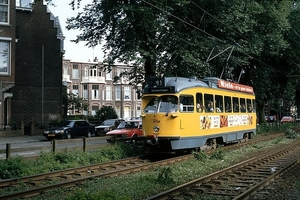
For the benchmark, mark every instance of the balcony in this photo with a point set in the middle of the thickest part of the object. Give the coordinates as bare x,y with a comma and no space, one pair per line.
93,79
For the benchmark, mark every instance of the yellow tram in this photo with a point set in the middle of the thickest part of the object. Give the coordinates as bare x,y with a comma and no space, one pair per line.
183,113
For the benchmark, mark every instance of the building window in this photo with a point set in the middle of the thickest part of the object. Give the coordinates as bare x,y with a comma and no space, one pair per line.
4,57
75,89
4,11
108,75
108,92
86,71
75,71
127,112
24,3
127,93
118,92
138,111
94,109
95,91
85,92
65,70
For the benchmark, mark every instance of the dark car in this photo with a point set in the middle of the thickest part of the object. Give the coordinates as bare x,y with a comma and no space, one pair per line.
108,125
127,129
69,129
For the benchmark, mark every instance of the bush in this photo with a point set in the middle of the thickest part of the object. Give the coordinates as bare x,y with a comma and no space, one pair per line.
15,167
18,167
218,154
165,176
201,156
291,134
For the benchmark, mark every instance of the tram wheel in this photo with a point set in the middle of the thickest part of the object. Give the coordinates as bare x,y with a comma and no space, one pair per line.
246,137
212,143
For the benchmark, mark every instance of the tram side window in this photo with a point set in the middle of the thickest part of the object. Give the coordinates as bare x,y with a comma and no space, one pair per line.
243,105
186,103
199,105
249,105
236,106
219,103
228,104
209,102
253,105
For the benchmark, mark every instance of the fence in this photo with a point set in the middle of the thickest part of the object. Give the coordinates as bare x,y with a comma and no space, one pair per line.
54,146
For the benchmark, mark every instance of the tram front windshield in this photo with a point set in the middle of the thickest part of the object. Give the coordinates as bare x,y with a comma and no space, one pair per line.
162,104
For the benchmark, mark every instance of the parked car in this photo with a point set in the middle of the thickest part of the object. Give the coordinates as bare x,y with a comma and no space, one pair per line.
69,129
108,125
271,118
136,118
127,129
287,119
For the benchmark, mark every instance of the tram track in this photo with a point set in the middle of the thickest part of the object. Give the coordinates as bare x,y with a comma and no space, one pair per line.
244,180
40,183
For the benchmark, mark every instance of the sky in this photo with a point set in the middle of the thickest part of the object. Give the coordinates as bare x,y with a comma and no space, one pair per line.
75,52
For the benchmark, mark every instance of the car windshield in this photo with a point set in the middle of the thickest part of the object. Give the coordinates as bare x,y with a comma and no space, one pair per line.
162,104
108,122
128,125
65,123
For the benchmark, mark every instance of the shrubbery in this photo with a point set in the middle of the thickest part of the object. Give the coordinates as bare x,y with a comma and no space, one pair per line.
17,167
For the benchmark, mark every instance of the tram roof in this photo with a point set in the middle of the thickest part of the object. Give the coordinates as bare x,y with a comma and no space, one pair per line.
177,84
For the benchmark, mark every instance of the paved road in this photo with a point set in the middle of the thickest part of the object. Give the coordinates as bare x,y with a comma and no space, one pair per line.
40,143
21,139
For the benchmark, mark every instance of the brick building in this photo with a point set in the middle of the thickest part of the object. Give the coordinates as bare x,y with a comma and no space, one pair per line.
7,58
96,87
31,48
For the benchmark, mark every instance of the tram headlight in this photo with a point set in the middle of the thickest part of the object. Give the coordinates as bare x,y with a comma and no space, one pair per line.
156,128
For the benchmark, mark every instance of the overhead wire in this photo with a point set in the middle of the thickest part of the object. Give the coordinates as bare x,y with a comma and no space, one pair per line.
212,36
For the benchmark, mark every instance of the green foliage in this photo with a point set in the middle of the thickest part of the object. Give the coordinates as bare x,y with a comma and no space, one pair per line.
106,112
201,156
103,195
165,176
159,37
278,140
14,168
291,134
19,167
217,154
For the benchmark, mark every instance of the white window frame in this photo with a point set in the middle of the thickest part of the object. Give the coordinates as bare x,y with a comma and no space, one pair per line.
75,72
118,92
127,93
5,5
108,75
108,92
86,71
75,89
24,3
85,94
8,41
65,70
95,91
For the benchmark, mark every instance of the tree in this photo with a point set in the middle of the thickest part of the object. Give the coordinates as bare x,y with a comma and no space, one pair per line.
76,103
176,37
106,112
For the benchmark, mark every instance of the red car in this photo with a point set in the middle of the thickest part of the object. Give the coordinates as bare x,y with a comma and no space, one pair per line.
287,119
127,129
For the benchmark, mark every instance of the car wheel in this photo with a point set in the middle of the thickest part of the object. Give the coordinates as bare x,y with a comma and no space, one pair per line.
134,139
68,135
89,134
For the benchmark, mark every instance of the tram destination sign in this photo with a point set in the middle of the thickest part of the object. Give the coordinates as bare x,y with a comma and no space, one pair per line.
161,90
234,86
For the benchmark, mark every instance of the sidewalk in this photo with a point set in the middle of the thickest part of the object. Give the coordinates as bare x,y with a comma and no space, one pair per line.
21,139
